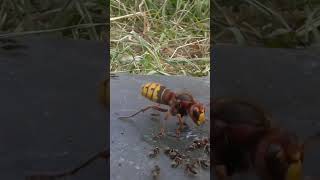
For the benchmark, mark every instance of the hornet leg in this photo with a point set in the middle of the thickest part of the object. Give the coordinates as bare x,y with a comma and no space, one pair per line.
162,128
181,125
47,176
144,109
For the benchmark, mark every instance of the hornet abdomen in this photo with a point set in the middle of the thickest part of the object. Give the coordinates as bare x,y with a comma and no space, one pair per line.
157,93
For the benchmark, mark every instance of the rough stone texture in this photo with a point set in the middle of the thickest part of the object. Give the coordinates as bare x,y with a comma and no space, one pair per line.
285,81
131,139
50,116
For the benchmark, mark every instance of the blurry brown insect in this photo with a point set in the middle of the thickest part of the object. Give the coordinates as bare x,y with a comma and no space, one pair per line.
190,168
192,146
181,104
203,143
204,163
155,172
172,153
166,150
154,152
207,148
176,162
244,137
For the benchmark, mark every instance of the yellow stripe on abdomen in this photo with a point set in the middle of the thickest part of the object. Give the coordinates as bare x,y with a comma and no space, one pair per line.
156,94
144,89
152,91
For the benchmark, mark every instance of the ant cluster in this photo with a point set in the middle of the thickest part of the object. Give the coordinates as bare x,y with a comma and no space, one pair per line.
203,143
191,165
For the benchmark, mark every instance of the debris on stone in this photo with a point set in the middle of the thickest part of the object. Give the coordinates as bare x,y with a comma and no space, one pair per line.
190,169
155,172
154,152
176,162
203,143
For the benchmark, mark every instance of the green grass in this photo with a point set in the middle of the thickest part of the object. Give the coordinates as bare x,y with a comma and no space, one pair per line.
76,19
269,23
169,37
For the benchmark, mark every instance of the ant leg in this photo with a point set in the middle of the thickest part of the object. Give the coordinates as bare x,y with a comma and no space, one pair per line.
162,128
182,123
144,109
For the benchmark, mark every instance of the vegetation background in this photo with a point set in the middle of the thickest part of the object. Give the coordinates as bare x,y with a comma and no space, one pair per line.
169,37
77,19
268,23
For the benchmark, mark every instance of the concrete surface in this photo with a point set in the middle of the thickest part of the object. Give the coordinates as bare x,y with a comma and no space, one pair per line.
131,139
51,120
50,116
285,81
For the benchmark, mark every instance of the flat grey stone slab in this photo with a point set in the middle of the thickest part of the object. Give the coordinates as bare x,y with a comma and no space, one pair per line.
285,81
131,139
50,116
